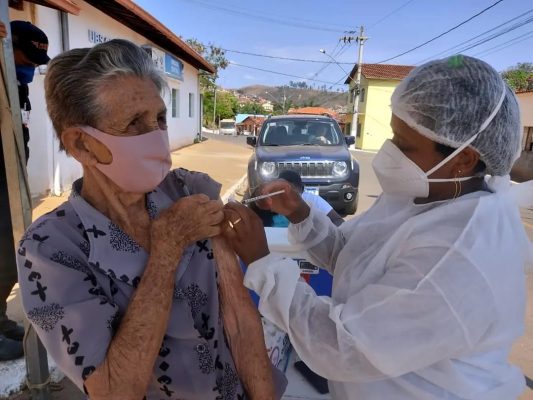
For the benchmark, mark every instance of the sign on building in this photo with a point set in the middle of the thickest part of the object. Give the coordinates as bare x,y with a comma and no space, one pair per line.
173,67
97,37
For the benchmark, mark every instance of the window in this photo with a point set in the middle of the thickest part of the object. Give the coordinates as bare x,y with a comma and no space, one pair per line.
175,103
191,105
362,96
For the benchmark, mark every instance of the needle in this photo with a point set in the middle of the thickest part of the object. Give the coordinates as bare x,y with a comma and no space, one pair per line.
264,196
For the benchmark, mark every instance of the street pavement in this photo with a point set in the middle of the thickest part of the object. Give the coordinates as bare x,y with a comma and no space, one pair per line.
225,158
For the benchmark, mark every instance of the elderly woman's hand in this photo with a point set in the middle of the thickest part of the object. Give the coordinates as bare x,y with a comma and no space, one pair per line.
245,233
188,220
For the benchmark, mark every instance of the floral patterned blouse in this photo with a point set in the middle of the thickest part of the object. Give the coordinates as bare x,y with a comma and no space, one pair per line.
78,271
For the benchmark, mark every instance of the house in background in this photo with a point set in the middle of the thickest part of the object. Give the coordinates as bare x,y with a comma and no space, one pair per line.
378,81
523,168
268,106
251,125
86,23
328,112
315,111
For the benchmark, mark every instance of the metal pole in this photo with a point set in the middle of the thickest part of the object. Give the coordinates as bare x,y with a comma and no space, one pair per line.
19,196
355,119
284,100
215,108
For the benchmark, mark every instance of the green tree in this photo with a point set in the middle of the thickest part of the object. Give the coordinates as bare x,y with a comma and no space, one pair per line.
310,103
227,107
519,77
215,56
252,108
278,107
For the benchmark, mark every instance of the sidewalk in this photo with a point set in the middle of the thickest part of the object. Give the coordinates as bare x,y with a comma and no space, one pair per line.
224,162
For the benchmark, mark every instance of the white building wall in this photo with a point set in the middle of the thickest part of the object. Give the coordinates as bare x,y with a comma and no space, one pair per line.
525,100
50,170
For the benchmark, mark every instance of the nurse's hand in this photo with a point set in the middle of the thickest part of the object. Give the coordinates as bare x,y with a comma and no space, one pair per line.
245,233
290,203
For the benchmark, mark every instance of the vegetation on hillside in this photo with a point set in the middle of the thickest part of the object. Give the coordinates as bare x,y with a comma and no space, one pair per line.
300,96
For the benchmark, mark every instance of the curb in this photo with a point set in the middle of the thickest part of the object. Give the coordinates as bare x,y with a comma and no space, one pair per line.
225,197
364,151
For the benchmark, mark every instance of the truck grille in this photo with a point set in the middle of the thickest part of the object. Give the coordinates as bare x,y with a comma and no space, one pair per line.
308,169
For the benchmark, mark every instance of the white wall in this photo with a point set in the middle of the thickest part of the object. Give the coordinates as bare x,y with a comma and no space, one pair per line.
526,108
51,170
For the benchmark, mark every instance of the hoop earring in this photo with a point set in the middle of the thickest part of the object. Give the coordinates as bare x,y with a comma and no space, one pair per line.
458,186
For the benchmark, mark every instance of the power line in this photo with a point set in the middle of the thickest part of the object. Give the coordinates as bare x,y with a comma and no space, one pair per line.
442,34
389,14
326,64
475,37
264,18
506,44
278,57
261,12
281,73
498,34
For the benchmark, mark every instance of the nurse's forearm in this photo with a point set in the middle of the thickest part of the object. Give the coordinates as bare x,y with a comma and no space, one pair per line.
243,326
127,369
320,238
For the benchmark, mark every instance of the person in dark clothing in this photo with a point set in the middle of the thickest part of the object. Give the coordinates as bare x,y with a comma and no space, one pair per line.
30,45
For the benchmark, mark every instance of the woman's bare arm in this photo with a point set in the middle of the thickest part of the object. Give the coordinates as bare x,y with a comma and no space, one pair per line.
242,325
127,369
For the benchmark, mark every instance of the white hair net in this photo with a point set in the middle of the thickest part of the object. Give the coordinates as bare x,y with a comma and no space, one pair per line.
449,100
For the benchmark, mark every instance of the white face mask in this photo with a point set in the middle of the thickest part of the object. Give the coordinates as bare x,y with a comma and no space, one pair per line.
398,175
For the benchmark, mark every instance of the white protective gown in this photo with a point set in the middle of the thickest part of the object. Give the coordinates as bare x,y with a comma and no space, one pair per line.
427,299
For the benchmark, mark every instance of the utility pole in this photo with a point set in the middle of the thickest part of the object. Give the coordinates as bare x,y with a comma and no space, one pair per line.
284,100
361,41
215,107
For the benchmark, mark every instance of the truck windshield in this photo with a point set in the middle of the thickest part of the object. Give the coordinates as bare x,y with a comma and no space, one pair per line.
227,125
303,133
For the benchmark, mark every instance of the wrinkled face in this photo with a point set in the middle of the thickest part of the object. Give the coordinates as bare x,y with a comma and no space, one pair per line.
132,106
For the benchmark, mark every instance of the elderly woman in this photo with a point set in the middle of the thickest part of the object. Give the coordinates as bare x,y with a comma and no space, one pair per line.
120,281
428,284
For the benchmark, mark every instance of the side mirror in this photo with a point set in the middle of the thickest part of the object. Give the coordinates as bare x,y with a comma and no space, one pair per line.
349,140
251,141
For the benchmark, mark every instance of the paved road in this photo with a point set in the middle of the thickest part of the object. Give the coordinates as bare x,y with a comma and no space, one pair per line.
239,140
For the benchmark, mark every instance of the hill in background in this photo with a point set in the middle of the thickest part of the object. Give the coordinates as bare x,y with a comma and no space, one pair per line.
295,97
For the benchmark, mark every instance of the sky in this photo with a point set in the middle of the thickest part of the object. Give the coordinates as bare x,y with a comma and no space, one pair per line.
300,28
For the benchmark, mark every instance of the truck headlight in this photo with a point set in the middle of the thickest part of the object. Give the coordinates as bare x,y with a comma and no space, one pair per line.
340,168
268,169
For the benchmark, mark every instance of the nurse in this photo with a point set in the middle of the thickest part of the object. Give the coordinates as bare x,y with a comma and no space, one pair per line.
428,290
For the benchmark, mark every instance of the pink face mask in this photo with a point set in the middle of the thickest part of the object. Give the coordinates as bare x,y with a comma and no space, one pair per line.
140,163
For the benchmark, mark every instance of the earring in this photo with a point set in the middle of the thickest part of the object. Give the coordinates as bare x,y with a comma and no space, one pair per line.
458,186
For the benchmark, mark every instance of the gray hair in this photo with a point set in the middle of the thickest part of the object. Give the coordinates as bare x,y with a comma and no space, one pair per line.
74,78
